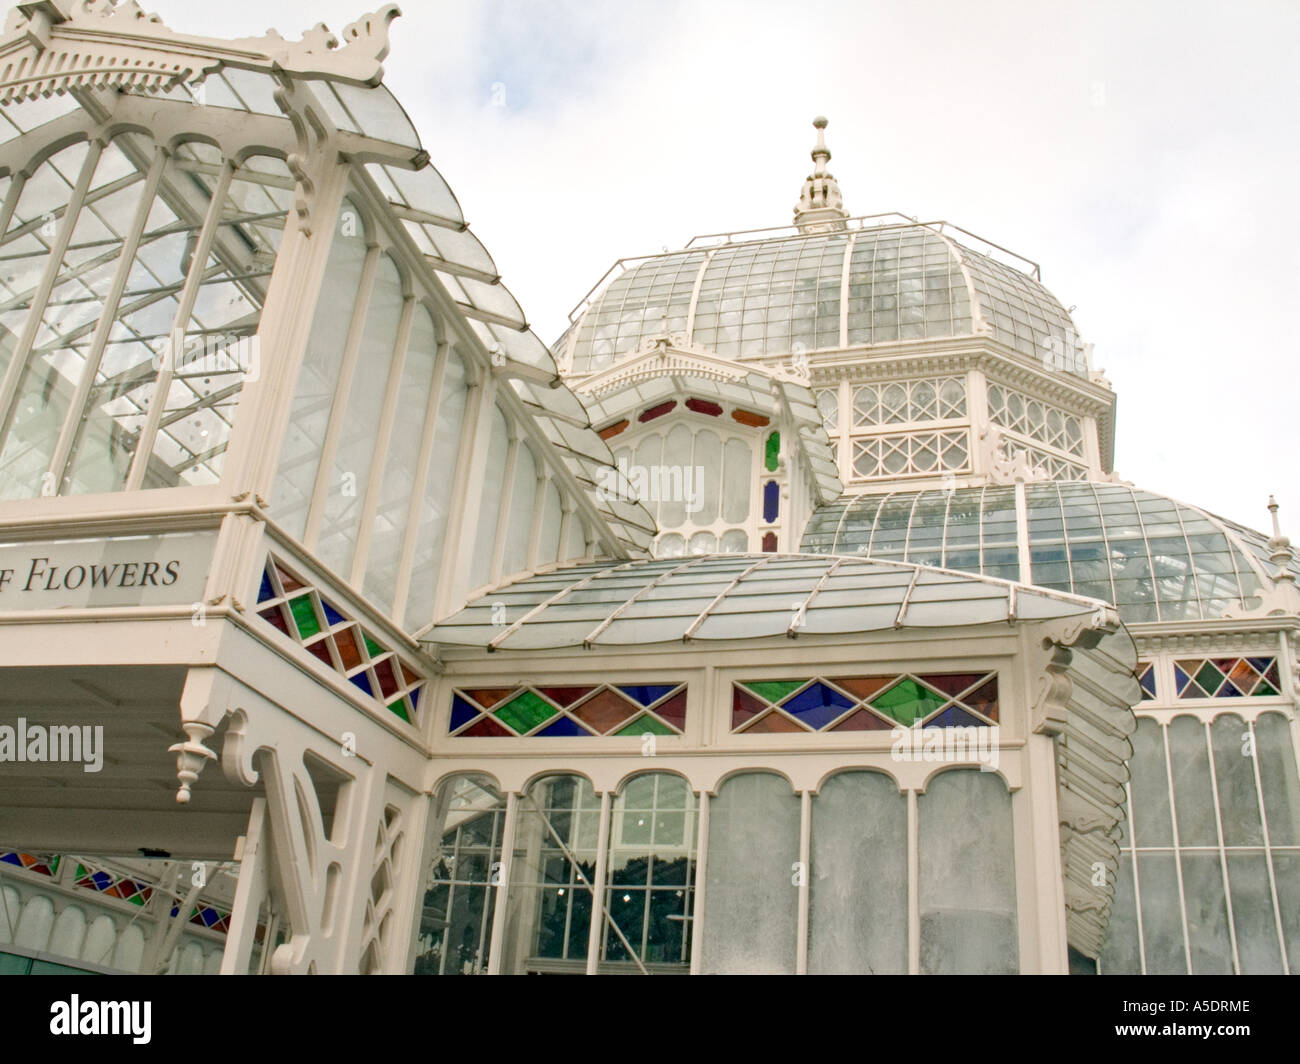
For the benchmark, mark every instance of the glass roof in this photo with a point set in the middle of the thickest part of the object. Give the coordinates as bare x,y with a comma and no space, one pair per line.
739,596
788,293
1154,558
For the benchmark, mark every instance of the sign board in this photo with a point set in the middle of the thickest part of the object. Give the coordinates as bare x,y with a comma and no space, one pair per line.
121,571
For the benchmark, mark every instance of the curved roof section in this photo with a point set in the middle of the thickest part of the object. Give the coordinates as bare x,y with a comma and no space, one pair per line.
742,596
1154,558
868,285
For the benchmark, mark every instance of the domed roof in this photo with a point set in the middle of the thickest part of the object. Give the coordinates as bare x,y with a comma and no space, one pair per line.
1154,558
865,283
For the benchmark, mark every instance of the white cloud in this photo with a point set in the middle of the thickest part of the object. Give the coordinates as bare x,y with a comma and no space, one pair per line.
1144,154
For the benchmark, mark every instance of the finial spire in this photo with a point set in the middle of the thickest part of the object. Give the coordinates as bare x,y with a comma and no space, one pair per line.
821,206
1280,551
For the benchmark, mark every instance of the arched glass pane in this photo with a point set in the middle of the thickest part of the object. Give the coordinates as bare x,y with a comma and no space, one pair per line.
644,473
456,917
670,545
967,876
431,532
703,543
1277,775
552,877
349,481
577,536
203,397
489,509
677,457
519,526
737,473
388,527
651,873
751,907
703,479
1234,770
548,544
56,360
858,878
734,541
318,377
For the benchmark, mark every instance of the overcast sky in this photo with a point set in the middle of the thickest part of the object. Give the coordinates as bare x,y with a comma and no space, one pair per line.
1147,155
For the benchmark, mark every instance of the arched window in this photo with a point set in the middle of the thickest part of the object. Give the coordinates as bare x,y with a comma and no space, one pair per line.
751,904
489,508
519,525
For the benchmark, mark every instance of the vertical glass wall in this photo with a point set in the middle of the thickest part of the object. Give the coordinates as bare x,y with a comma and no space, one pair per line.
133,282
456,917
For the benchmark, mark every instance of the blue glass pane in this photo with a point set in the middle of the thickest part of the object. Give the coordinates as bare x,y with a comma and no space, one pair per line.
646,695
461,711
955,717
265,591
817,705
566,727
1180,679
771,501
1149,682
331,614
361,681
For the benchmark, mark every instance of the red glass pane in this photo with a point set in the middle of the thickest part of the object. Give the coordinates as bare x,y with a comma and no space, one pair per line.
288,582
703,406
349,652
486,726
656,411
772,723
984,699
321,649
952,683
487,697
565,696
386,677
275,617
744,707
674,710
609,431
863,686
864,720
411,678
769,543
605,711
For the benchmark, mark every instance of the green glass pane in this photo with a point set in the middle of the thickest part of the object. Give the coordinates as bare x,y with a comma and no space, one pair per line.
136,899
1209,678
1264,688
53,862
372,648
81,871
908,701
399,707
645,724
526,711
773,451
775,690
304,617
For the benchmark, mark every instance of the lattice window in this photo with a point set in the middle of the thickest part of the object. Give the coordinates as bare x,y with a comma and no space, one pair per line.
208,916
1146,674
828,405
377,924
1036,419
302,613
1227,678
911,452
941,399
136,891
602,709
45,866
865,703
1057,468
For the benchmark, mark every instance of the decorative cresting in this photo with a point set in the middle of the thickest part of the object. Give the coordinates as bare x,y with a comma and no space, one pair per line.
821,206
1084,699
51,46
1283,597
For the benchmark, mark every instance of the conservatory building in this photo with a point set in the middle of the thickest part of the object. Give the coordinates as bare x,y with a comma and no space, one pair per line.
787,615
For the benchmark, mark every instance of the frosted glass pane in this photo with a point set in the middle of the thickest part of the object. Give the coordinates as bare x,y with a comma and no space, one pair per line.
1286,869
967,883
349,480
1235,771
1162,923
703,543
751,902
1275,751
1193,793
1150,787
519,526
1120,952
489,509
676,458
857,919
1207,914
576,547
318,379
548,546
431,532
737,475
1252,915
388,527
645,472
670,545
735,541
705,478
